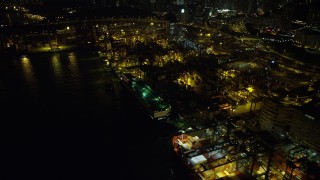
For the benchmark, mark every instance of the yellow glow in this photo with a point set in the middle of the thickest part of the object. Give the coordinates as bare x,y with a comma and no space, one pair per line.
56,64
310,88
250,89
151,24
28,70
73,67
68,28
24,59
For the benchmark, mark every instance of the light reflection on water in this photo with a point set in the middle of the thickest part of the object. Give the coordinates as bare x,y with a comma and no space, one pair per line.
73,66
77,74
28,73
73,69
71,94
56,65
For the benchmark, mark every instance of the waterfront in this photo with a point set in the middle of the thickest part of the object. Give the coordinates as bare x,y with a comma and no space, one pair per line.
243,85
59,122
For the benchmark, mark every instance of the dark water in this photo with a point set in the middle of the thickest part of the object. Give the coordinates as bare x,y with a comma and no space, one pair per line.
59,122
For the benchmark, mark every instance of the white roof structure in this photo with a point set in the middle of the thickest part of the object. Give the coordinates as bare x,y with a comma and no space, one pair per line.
197,160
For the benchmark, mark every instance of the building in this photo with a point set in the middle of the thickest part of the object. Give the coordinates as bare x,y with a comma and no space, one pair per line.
275,117
283,18
301,123
307,38
313,19
305,130
248,7
160,5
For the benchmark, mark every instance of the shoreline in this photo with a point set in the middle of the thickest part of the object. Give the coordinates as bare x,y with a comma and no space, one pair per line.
47,50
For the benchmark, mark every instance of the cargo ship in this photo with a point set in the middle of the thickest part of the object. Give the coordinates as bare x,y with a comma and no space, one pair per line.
156,107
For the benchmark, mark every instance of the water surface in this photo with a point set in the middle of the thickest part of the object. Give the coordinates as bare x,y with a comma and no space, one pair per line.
59,122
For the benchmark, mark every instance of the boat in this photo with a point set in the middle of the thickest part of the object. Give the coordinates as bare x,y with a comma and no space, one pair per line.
156,107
